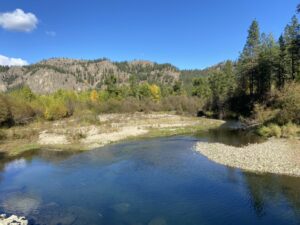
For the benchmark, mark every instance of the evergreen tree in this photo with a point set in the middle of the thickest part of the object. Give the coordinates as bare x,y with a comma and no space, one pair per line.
134,86
111,85
248,59
230,76
177,88
292,39
201,87
268,52
281,63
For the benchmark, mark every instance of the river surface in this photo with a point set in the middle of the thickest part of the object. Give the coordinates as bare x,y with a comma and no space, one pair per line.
152,182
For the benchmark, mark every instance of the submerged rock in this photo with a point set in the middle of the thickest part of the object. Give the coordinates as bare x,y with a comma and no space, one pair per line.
12,220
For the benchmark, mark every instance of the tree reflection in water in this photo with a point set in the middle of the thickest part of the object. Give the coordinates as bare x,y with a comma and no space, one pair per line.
264,188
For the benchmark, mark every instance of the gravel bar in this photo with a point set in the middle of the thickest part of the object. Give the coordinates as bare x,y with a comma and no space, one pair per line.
278,156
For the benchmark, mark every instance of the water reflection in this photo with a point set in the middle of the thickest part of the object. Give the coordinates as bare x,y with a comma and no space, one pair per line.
160,181
278,188
229,137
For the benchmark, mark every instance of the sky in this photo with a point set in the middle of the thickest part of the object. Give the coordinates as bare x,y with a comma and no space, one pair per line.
189,34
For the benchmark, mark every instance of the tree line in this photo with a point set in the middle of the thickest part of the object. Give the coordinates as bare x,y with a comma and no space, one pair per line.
265,78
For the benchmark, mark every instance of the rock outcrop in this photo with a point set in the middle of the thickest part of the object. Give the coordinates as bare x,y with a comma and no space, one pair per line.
12,220
59,73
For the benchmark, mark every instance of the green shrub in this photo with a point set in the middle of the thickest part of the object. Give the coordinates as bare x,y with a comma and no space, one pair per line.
263,114
272,130
275,130
264,131
290,130
23,93
56,110
288,100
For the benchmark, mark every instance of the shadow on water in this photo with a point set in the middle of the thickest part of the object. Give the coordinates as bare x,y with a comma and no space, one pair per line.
229,136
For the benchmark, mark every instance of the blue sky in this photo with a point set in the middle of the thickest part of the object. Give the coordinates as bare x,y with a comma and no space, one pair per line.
187,33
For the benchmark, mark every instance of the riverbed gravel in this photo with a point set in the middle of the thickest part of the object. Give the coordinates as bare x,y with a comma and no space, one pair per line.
279,156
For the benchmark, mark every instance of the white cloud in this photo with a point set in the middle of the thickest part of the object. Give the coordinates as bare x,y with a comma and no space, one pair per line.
51,33
6,61
18,20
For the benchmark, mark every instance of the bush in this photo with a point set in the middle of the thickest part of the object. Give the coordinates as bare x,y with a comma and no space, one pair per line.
262,114
130,105
264,131
23,93
56,110
275,130
288,100
21,112
272,130
5,115
290,130
182,104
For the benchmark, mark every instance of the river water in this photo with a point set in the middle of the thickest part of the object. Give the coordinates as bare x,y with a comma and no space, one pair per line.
151,182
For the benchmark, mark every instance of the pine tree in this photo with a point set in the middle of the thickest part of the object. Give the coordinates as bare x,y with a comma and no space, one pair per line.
248,59
230,76
292,39
281,63
268,53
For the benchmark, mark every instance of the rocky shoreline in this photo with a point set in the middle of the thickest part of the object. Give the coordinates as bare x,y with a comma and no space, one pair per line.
12,220
278,156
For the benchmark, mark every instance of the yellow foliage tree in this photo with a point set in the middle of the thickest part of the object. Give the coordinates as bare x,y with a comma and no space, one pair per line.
155,92
94,96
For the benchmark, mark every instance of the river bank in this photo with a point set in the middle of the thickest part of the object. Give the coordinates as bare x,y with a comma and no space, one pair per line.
279,156
72,134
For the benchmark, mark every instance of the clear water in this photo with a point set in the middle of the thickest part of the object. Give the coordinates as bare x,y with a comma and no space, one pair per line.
151,182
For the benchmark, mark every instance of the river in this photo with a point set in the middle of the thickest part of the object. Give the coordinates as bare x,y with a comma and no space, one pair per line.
152,182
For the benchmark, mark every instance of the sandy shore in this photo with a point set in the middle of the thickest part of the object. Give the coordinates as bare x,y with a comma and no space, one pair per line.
279,156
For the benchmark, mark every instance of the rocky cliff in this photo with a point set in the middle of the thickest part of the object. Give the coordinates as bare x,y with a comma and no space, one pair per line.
59,73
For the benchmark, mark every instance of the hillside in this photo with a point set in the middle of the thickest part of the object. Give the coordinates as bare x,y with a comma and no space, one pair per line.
50,75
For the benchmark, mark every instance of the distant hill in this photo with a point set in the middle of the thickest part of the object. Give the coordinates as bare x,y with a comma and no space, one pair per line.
50,75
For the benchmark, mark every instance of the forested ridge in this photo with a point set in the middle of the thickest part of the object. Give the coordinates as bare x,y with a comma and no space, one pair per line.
262,87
